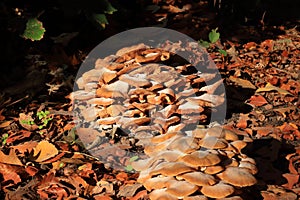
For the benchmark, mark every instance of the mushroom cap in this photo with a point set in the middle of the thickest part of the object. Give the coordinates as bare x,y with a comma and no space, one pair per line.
181,188
161,194
198,178
213,169
232,198
171,169
158,182
237,176
183,144
200,159
212,142
238,145
198,197
164,137
189,107
249,166
219,190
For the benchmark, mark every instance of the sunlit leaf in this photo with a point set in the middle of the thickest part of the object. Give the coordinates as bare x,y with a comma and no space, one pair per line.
44,150
34,30
214,35
223,52
269,87
110,9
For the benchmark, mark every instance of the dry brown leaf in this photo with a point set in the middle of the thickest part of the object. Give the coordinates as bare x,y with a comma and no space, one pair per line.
27,122
10,173
258,100
5,124
241,82
292,180
44,150
25,147
12,158
18,136
269,87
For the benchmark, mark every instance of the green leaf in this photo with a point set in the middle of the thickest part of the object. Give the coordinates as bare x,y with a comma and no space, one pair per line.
100,19
213,35
204,43
110,9
34,30
4,138
128,168
134,158
223,52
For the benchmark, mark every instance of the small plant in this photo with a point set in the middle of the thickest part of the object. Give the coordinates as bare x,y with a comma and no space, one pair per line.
4,138
43,116
129,167
213,37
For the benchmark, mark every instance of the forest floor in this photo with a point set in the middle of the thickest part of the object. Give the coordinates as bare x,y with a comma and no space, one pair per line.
41,156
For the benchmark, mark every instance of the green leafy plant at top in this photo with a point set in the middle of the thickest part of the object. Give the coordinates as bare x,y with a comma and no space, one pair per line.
213,37
129,167
94,11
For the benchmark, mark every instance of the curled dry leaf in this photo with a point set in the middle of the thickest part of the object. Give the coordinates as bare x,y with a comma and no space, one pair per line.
44,150
258,100
241,82
269,87
10,173
12,158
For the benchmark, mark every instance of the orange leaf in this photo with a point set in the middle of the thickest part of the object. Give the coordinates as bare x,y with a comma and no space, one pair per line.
10,173
122,176
12,158
292,180
26,147
45,150
258,100
5,124
242,123
18,136
31,170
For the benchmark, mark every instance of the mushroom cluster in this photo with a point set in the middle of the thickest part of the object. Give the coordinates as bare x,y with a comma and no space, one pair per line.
145,91
198,164
160,100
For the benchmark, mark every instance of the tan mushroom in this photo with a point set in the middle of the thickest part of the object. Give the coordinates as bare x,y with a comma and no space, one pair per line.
237,176
198,178
200,159
158,182
171,169
161,194
181,188
198,197
212,142
135,81
213,169
219,190
189,107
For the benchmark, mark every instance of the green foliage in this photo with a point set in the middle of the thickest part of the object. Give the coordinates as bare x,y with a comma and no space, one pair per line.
213,37
71,138
95,11
43,116
28,122
4,138
34,30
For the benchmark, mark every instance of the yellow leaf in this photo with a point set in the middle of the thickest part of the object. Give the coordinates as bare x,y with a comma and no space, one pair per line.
241,82
269,87
44,150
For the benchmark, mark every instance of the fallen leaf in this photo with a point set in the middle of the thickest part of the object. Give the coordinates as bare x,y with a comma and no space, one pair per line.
242,123
128,190
5,124
44,150
27,122
258,100
25,147
9,172
139,195
18,136
269,87
31,170
241,82
12,158
292,180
